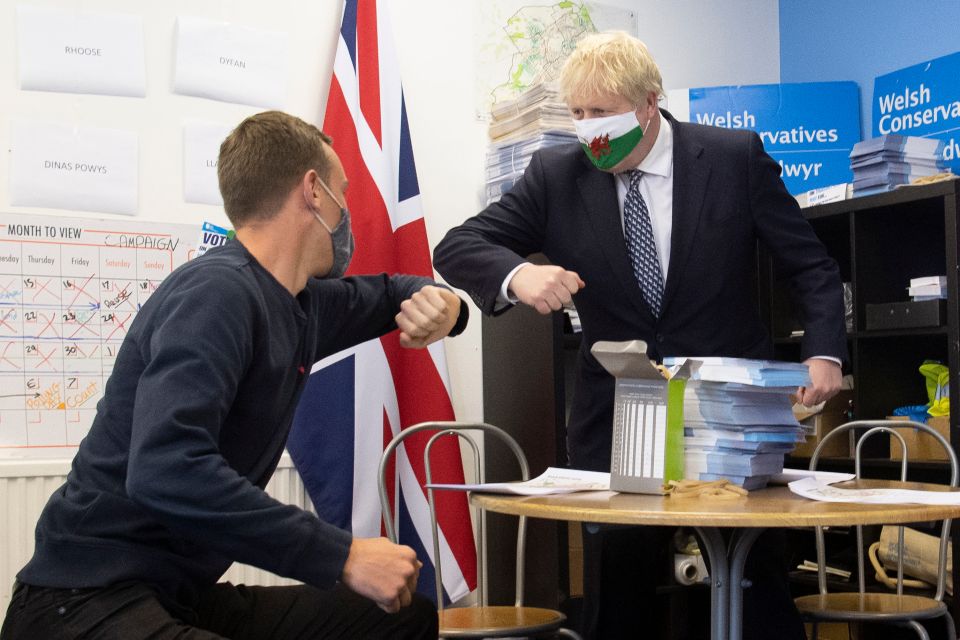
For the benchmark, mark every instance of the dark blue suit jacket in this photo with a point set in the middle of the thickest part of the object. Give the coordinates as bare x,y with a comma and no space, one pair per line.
727,194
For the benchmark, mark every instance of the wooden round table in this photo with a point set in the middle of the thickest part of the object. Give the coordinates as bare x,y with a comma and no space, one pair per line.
746,517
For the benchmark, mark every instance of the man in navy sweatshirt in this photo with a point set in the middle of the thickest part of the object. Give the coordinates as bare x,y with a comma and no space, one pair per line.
166,491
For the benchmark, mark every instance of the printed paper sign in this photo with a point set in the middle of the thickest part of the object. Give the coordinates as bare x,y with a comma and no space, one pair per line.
922,100
231,63
201,149
809,128
79,52
65,167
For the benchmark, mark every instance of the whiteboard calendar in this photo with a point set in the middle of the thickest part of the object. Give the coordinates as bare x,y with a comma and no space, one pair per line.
69,289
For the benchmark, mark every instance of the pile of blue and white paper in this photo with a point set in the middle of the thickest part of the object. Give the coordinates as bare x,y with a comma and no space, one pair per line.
884,163
738,418
535,120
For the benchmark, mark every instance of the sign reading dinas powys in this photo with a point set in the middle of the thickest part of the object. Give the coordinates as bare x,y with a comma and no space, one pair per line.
809,128
922,100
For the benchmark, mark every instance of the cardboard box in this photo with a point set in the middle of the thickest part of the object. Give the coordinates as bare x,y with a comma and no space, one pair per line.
836,412
647,447
920,446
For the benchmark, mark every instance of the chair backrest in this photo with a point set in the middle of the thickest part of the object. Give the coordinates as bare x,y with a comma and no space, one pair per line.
460,431
875,427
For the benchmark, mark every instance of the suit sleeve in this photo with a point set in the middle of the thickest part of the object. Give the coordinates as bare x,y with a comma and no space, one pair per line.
478,255
800,257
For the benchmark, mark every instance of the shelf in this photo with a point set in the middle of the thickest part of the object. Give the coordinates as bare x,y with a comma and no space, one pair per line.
879,242
903,195
874,334
903,333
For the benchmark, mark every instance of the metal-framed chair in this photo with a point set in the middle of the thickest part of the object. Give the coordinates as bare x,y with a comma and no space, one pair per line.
481,620
889,608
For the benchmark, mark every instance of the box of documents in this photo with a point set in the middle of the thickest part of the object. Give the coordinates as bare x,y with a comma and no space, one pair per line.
835,412
905,315
647,448
920,446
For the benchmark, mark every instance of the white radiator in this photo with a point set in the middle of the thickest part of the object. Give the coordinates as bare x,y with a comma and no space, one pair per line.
25,486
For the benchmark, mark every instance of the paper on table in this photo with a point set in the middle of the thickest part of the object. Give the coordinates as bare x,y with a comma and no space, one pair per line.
231,63
66,167
81,52
823,477
810,488
201,150
551,481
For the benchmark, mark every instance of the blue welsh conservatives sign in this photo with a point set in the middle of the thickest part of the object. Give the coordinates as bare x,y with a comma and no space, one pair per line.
922,100
809,128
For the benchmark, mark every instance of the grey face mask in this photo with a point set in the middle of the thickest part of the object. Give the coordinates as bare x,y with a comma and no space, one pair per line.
341,236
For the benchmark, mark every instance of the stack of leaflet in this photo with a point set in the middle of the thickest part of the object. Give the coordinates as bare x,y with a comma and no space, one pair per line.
535,120
738,418
928,288
506,162
882,164
538,109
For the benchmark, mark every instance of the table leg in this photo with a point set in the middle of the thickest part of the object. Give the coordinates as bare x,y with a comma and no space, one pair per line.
716,551
740,542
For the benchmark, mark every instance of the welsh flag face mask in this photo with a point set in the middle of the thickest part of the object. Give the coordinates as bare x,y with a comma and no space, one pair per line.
607,141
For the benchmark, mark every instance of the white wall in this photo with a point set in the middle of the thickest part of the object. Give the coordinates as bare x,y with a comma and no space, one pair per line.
702,43
159,116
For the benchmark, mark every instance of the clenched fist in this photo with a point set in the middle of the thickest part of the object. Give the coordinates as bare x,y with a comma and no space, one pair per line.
382,571
546,288
427,316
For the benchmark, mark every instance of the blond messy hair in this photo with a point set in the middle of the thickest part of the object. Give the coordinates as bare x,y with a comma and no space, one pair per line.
612,62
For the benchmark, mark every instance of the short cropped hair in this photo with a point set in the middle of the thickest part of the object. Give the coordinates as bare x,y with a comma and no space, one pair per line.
611,62
263,159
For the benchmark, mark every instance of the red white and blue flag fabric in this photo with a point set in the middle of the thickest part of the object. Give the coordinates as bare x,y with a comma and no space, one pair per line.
357,400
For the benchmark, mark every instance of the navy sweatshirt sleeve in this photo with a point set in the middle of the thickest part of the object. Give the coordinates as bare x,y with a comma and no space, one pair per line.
348,322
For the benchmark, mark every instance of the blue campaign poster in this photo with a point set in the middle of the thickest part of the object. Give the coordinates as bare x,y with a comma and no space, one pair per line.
809,128
922,100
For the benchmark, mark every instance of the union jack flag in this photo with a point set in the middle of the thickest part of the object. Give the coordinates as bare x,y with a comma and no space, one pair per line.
357,400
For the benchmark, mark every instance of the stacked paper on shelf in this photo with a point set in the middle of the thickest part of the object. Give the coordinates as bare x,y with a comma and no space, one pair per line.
928,288
738,418
537,109
883,163
535,120
507,161
544,92
532,121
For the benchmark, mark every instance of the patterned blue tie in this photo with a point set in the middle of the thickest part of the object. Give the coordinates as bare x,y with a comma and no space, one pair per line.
641,248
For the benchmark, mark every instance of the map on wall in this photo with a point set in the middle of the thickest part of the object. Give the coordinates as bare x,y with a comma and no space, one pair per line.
69,289
522,43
